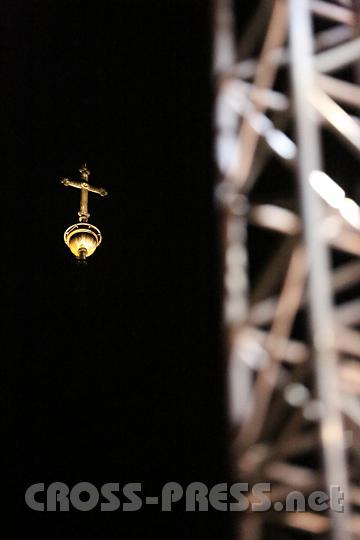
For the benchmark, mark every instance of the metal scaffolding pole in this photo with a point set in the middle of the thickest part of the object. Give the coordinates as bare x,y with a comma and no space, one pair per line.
320,289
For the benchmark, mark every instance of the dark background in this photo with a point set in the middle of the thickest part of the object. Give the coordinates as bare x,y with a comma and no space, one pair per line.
112,372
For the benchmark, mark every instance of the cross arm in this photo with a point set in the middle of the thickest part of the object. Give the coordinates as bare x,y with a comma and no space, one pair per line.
84,185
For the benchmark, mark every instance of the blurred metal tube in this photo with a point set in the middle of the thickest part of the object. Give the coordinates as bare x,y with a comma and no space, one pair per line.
320,291
233,218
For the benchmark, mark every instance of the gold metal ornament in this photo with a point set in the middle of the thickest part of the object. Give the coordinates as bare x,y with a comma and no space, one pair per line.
83,238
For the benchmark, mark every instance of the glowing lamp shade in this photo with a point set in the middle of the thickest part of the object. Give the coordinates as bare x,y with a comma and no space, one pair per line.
82,239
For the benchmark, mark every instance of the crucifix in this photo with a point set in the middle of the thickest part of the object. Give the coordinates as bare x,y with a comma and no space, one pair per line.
83,238
85,187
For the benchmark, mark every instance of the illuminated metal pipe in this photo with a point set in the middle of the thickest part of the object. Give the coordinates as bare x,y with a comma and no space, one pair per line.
320,290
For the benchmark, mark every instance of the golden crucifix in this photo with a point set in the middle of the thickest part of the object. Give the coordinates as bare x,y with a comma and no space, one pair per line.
83,238
85,188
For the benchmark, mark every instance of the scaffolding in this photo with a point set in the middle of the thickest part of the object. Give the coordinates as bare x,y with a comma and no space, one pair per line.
291,397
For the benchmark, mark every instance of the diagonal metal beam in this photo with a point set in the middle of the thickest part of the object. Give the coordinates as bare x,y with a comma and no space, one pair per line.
266,70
